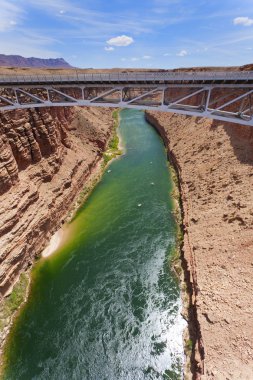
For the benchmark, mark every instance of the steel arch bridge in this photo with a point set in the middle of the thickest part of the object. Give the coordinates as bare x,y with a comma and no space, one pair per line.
219,95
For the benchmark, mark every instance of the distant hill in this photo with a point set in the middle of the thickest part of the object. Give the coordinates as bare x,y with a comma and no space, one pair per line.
19,61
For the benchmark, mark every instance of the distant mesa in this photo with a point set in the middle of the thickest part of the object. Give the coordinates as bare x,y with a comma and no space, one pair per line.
19,61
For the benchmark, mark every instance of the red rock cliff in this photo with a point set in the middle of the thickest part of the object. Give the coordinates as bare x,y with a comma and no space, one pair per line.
215,167
45,157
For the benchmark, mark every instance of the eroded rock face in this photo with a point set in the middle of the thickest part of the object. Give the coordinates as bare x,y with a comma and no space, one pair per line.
33,135
45,158
215,166
8,165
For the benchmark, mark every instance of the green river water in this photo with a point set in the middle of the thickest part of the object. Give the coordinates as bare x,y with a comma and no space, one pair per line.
106,305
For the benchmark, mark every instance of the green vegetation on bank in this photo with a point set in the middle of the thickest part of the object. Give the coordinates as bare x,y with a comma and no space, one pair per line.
175,260
189,346
11,304
113,146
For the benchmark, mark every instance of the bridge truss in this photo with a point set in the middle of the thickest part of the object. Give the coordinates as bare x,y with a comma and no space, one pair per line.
223,96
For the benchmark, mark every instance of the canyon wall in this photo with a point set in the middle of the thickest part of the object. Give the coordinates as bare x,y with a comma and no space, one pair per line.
214,162
45,158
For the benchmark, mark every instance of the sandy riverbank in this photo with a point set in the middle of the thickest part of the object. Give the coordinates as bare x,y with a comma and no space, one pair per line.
56,241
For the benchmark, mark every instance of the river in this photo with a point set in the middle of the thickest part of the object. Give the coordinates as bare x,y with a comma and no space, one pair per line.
106,305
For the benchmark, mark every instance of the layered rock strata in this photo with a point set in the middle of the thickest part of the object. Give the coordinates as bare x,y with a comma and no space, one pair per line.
214,162
45,158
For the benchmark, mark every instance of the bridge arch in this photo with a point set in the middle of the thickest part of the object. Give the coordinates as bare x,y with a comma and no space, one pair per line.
217,95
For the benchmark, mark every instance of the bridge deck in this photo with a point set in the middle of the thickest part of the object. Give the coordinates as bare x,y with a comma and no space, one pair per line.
208,77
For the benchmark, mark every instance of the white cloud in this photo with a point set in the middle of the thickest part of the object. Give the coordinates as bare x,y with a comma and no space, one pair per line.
120,41
134,59
182,53
109,48
245,21
146,57
62,11
123,59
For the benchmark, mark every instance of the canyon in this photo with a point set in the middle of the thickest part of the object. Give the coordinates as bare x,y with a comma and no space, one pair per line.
47,155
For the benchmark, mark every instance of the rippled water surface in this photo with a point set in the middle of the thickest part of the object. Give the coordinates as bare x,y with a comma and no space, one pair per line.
106,306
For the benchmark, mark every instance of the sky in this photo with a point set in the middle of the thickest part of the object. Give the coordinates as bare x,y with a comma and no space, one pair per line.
130,33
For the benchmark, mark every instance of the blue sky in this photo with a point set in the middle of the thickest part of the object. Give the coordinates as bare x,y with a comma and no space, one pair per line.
133,33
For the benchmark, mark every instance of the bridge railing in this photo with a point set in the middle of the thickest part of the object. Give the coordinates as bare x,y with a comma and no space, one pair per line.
128,77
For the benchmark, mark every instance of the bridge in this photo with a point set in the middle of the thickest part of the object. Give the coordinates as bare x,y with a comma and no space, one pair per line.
220,95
